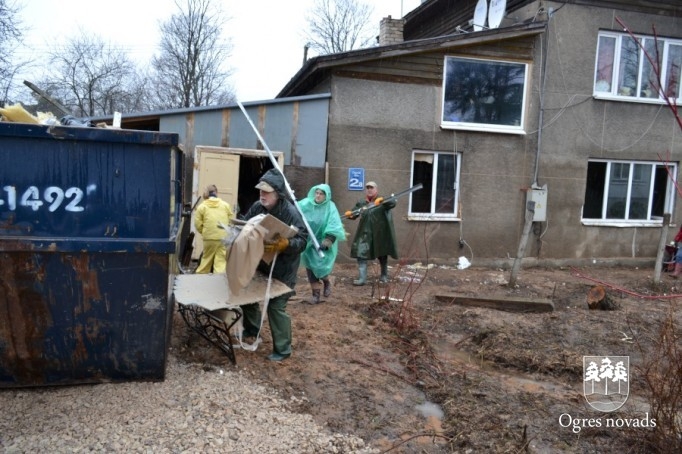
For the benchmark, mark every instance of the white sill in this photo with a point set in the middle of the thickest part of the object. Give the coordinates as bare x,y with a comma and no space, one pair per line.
610,97
478,127
432,217
615,223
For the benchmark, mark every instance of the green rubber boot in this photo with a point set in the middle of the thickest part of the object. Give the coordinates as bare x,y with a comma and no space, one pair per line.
362,269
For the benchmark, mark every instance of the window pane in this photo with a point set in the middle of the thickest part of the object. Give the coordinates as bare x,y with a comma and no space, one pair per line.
672,78
594,192
618,190
660,191
629,66
649,72
605,56
422,173
628,182
483,92
639,194
445,184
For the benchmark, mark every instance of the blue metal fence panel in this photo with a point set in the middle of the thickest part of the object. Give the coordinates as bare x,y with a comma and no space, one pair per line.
311,136
278,129
208,126
241,134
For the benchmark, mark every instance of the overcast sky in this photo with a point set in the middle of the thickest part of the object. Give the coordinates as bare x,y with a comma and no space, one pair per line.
267,35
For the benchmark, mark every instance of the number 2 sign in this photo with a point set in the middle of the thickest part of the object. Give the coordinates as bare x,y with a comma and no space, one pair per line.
356,179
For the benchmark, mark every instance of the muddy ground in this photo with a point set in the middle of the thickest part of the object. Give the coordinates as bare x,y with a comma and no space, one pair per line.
409,372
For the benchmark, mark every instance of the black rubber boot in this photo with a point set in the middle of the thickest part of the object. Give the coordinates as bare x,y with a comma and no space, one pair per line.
316,297
383,261
327,287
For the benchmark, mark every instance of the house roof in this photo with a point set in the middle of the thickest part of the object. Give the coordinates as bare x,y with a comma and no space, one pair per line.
442,17
318,68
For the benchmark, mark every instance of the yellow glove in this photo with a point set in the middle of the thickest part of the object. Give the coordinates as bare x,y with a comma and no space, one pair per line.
378,201
348,213
277,245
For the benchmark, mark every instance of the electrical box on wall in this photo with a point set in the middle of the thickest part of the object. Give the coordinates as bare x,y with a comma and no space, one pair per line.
539,196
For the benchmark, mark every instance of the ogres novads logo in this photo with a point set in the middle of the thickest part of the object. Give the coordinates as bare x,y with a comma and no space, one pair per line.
606,383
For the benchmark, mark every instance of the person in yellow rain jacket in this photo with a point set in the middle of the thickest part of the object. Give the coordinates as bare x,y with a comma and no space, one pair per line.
212,212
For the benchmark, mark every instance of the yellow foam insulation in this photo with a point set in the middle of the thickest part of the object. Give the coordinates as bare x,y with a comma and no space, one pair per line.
17,114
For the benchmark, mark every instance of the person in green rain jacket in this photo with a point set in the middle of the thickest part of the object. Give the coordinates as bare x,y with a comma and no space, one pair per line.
375,236
274,200
324,219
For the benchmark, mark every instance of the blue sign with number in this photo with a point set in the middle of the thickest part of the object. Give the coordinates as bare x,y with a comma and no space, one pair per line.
356,179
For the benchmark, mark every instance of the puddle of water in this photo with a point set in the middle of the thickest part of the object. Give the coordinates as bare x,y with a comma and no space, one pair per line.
446,352
430,409
434,419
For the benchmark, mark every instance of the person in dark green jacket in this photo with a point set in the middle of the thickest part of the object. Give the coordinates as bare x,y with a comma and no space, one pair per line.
274,200
375,236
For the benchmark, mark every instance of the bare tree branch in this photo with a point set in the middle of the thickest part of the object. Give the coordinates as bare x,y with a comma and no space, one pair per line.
339,26
92,78
188,71
10,35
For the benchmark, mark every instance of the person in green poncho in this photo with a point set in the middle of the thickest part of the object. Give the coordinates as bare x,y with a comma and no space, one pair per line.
375,235
324,220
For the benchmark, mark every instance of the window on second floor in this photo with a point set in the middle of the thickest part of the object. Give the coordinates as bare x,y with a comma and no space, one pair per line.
439,173
623,72
628,192
484,95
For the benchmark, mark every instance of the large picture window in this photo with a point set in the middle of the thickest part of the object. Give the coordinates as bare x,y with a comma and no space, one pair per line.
439,173
484,95
628,191
623,72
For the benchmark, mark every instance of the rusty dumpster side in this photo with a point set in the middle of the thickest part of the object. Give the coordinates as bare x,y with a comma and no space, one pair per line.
88,226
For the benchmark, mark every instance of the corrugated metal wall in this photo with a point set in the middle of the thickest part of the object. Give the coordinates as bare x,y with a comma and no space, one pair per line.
295,126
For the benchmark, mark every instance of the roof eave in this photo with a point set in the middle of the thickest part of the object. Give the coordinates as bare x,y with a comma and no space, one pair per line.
316,67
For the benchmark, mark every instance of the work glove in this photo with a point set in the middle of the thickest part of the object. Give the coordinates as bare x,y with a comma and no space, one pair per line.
326,244
349,214
276,245
378,201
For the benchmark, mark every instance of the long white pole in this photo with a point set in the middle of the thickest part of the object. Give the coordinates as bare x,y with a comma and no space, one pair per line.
286,183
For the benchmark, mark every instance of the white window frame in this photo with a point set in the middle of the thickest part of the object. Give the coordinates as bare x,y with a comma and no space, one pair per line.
604,88
486,98
633,179
433,215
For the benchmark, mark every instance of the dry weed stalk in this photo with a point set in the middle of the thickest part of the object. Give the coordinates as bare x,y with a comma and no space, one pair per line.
662,369
403,288
662,372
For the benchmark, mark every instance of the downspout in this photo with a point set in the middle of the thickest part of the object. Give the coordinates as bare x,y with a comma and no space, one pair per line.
543,81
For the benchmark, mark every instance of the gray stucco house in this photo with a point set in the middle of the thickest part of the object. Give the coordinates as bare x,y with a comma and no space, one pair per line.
552,102
489,108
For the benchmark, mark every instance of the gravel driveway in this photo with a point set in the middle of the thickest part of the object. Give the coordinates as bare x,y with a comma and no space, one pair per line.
192,410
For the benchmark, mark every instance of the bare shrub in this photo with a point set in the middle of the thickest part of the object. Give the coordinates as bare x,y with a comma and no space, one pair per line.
662,372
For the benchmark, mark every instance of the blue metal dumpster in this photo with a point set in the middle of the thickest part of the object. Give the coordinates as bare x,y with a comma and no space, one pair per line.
88,230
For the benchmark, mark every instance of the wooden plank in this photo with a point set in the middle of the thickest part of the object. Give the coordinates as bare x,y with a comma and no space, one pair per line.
502,303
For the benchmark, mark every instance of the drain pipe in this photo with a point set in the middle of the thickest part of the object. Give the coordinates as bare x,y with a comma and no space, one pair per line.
543,82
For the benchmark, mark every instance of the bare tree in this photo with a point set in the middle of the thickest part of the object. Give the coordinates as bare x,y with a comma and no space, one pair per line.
339,26
10,34
189,69
90,77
